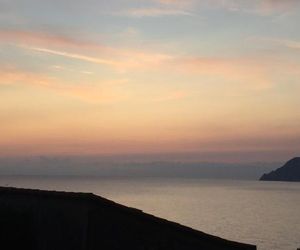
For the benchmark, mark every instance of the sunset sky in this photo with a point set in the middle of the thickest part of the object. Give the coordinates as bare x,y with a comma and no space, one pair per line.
152,76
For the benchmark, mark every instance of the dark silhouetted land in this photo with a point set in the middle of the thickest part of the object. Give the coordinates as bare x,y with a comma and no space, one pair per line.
35,220
288,172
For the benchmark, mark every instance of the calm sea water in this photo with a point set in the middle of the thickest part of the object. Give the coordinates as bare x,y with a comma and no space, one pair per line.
266,214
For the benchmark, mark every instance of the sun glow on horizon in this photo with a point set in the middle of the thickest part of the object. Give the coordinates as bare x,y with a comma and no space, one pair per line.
149,76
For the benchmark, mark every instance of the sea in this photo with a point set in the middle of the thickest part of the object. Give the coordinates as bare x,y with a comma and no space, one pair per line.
266,214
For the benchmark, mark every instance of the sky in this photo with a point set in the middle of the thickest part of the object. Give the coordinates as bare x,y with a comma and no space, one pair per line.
176,77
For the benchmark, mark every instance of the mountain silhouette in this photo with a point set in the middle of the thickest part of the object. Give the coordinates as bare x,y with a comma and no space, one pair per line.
288,172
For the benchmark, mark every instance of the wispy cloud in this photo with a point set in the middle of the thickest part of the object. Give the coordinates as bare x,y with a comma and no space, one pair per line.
74,56
108,91
287,43
46,38
182,4
291,44
126,60
270,6
65,46
261,7
153,12
255,73
160,8
10,75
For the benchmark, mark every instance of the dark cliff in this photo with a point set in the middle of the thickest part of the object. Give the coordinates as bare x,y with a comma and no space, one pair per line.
288,172
44,220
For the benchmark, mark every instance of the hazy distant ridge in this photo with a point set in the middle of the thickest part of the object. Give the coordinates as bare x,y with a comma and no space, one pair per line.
98,167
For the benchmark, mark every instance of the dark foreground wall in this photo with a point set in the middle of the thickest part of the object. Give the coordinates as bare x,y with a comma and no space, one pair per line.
47,220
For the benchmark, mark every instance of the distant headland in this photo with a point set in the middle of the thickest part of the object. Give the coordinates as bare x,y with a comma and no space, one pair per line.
288,172
35,219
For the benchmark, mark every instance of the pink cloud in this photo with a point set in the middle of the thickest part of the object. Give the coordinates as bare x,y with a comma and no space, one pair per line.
257,73
107,92
64,46
43,38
